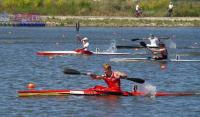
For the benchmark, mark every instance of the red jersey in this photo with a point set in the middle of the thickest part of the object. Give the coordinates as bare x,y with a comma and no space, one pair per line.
112,82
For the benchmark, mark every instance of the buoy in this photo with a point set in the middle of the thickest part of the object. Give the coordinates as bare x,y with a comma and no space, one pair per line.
31,86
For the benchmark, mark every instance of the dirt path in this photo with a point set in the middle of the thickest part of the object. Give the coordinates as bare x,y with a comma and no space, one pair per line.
123,21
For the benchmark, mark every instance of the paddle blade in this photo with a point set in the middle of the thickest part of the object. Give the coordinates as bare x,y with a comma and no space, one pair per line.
143,44
135,39
71,71
138,80
77,26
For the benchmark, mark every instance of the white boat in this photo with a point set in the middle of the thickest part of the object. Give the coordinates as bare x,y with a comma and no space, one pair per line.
149,59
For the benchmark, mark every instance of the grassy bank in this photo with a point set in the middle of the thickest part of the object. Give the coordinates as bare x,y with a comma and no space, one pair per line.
151,8
121,21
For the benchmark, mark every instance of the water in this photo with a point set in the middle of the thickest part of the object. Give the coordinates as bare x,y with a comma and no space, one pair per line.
19,65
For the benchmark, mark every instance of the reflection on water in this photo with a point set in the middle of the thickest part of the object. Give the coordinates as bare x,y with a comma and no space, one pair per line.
163,65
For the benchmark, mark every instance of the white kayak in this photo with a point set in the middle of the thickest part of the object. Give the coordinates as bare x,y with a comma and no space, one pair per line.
59,53
149,59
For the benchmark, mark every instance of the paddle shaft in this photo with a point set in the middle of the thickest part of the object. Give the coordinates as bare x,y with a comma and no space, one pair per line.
143,44
75,72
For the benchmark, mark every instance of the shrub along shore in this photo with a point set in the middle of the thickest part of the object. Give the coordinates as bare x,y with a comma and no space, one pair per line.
107,21
117,12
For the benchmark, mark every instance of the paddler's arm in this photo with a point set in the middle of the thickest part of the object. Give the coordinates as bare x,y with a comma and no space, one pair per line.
96,77
83,48
157,50
154,51
119,74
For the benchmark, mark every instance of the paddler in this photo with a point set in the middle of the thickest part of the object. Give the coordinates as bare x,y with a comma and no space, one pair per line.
154,41
159,53
84,50
85,43
111,78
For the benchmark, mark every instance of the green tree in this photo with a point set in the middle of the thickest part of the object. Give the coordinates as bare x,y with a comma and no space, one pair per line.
37,3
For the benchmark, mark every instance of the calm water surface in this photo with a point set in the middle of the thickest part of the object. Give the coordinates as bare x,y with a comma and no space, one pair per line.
19,65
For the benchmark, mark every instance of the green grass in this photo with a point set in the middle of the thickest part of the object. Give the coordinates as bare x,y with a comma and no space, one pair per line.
155,8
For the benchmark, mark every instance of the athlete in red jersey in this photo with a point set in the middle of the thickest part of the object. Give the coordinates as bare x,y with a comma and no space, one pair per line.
111,78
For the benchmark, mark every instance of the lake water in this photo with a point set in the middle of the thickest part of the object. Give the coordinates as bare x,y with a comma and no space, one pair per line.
20,65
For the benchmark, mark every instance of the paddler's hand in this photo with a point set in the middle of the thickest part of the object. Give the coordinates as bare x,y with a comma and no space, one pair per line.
91,75
119,74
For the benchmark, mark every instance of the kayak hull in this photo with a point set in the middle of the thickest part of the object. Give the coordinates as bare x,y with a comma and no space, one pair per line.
60,53
64,92
141,47
132,47
148,59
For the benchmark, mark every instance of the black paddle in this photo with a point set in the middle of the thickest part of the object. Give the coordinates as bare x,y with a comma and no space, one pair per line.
78,38
75,72
135,39
143,44
77,26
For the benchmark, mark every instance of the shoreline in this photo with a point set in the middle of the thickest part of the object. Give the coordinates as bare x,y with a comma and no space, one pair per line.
108,21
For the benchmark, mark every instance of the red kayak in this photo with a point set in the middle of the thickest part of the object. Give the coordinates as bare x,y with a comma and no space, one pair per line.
63,92
84,52
77,52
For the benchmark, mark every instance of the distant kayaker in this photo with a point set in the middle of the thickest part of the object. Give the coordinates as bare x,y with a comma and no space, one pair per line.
160,53
85,43
154,41
111,78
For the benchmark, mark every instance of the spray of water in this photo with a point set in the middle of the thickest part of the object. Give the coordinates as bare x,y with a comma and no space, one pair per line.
195,45
147,88
112,48
171,43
